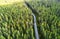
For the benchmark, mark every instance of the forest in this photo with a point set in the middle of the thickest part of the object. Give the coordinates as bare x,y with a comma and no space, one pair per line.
17,22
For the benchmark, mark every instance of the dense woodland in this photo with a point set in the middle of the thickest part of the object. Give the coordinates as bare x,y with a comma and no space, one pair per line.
16,20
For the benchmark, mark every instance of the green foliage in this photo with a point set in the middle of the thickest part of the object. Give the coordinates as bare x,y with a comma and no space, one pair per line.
16,22
48,20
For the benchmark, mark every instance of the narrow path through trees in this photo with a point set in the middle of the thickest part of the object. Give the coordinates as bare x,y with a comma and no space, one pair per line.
35,25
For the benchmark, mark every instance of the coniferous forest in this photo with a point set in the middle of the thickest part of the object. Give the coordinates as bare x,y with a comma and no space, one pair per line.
17,22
